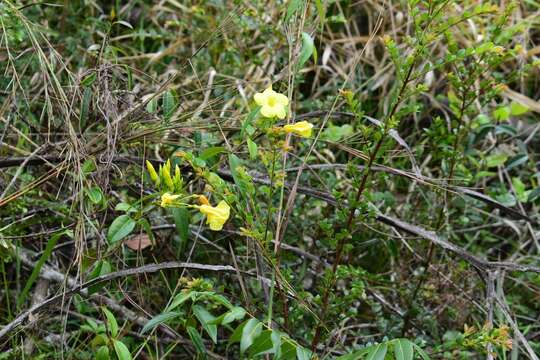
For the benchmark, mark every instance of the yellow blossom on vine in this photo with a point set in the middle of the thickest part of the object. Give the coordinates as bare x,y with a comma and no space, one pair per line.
272,104
168,199
216,216
302,128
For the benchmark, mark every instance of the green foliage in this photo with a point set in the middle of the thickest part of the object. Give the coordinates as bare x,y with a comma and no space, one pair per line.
340,215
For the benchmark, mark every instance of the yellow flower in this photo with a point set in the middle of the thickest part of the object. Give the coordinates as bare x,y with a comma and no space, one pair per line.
168,199
216,216
302,128
272,104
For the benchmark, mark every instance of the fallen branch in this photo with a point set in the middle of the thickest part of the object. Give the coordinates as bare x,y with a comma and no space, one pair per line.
105,278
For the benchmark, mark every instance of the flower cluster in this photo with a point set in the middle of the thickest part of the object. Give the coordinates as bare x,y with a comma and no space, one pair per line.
274,105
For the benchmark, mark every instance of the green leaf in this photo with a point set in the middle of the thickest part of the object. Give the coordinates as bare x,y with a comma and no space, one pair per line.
197,340
102,267
246,125
89,80
252,148
403,349
517,160
534,194
420,352
356,355
94,194
496,160
237,333
517,109
303,354
169,104
125,207
121,350
179,299
205,318
159,319
378,352
102,353
308,49
112,325
288,350
211,152
321,11
250,332
236,313
181,222
262,345
36,270
152,105
121,227
502,113
294,6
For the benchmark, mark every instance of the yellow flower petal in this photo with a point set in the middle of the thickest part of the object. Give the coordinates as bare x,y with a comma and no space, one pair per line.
272,104
281,112
302,128
216,216
282,99
259,99
267,111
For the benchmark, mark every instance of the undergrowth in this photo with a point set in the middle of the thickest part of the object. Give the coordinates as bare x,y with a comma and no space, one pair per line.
278,180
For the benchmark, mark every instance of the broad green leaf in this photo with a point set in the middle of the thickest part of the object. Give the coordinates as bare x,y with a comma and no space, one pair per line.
517,160
152,105
276,344
308,49
121,227
262,345
252,148
246,125
197,340
496,160
403,349
112,325
517,109
169,104
236,313
303,354
121,350
237,333
356,355
250,332
159,319
125,207
205,318
502,113
288,350
378,352
102,353
534,194
94,194
102,267
179,299
211,152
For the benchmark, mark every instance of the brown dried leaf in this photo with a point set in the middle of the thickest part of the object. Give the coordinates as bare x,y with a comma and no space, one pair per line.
141,241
